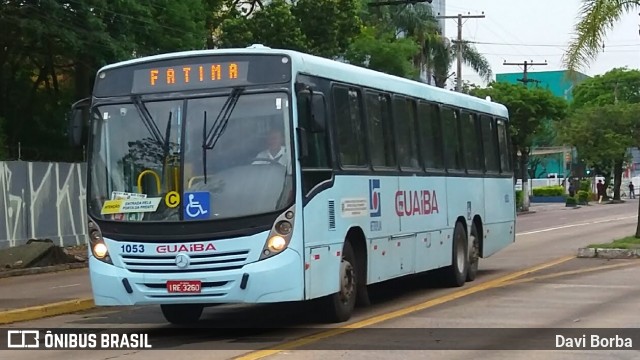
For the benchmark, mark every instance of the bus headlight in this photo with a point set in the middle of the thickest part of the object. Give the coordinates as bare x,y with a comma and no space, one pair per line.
100,250
276,243
97,245
279,236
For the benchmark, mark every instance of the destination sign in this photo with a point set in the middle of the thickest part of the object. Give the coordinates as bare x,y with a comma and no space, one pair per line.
189,77
193,73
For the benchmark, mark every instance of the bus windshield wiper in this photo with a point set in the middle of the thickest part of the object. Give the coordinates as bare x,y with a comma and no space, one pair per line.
210,138
167,146
148,122
152,127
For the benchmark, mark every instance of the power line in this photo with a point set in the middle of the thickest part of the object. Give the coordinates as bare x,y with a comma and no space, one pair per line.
541,45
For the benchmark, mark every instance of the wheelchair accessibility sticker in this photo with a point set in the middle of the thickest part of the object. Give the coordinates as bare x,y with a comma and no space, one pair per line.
196,205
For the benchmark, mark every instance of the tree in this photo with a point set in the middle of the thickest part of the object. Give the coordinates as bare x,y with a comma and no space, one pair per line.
617,87
417,23
597,17
301,25
266,26
603,134
445,57
50,51
381,51
528,109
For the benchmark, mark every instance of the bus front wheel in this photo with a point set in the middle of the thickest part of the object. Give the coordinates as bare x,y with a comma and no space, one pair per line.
456,274
182,314
340,305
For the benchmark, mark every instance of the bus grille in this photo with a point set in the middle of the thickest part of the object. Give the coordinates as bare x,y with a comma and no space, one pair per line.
231,260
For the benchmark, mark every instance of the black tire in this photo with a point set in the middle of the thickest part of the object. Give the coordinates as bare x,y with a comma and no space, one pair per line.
340,305
455,275
182,314
474,253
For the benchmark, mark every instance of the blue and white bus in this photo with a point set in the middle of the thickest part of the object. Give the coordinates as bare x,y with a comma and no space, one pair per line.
260,175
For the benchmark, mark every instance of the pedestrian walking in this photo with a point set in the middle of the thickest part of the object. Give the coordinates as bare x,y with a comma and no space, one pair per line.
600,190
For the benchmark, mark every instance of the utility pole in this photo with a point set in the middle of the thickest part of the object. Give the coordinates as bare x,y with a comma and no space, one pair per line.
525,79
459,19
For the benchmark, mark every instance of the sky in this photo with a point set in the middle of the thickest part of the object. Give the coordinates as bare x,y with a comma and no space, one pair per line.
537,30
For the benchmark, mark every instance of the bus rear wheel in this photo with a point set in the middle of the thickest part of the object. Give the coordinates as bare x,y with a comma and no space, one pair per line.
182,314
340,305
474,253
455,275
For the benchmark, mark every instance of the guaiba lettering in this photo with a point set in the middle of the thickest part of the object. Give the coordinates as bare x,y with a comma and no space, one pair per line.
416,202
187,74
162,249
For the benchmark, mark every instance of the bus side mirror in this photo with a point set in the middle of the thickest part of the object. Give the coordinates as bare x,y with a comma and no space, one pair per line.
303,143
78,122
318,114
313,107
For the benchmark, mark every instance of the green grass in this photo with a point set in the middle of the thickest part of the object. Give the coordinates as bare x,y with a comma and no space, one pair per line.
629,242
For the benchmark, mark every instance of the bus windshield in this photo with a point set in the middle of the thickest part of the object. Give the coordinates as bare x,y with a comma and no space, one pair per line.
179,160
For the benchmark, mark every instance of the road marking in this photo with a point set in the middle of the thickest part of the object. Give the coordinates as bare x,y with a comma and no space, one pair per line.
400,312
64,286
574,225
571,272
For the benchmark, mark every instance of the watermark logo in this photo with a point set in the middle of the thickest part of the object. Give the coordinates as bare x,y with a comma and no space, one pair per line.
23,339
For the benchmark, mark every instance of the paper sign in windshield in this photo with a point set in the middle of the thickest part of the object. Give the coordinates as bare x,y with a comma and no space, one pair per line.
125,206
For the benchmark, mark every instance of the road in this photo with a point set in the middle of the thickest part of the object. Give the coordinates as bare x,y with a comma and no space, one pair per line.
584,294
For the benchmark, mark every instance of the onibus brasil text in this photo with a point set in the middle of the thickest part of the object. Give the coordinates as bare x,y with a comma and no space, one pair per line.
34,339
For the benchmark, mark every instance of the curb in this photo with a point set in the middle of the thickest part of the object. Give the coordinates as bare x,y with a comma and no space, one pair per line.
526,212
609,253
42,270
48,310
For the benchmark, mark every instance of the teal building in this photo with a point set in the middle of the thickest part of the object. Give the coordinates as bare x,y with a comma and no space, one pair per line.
556,81
560,85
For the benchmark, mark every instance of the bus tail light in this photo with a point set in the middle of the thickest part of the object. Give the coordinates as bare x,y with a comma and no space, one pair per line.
96,243
279,236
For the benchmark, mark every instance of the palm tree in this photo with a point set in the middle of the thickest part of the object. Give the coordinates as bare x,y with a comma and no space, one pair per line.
445,57
417,22
437,54
597,18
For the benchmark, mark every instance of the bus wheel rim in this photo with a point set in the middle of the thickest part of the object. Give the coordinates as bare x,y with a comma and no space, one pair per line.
460,254
347,281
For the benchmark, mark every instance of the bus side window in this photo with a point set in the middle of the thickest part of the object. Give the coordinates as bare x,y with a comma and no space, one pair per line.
404,113
380,128
503,141
431,136
453,147
316,137
471,141
316,166
490,144
348,120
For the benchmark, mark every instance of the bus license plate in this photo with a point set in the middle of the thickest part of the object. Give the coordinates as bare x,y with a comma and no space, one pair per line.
184,286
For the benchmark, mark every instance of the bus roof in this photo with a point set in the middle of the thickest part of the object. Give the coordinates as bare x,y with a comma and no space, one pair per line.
327,68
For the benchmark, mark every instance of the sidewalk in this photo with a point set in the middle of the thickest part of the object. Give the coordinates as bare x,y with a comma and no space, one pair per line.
33,290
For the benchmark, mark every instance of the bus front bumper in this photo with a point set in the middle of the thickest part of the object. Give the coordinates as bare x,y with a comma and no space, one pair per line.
279,278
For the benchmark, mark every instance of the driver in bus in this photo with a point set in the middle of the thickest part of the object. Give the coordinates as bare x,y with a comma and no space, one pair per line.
275,150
